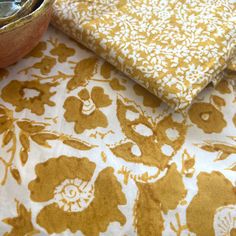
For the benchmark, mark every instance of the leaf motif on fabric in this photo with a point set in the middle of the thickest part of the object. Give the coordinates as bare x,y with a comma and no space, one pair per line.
106,70
24,140
16,174
43,138
24,155
116,85
224,149
220,102
22,223
8,135
223,87
6,120
157,198
77,144
29,127
83,72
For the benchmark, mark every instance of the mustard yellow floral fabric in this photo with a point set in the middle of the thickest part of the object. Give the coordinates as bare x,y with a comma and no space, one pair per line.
86,151
173,48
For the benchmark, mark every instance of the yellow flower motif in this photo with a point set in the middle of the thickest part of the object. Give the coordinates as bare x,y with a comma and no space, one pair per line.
63,52
78,196
214,191
207,117
45,65
223,87
6,119
225,221
84,111
30,95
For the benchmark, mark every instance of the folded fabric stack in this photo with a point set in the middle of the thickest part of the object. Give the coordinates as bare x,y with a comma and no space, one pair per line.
172,48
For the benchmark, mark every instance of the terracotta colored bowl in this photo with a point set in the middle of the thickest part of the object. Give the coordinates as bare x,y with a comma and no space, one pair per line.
20,37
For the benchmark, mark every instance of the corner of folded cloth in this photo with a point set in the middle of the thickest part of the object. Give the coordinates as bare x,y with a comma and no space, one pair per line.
172,48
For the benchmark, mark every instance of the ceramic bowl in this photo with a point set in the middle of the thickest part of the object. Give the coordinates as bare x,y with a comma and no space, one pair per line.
23,10
21,36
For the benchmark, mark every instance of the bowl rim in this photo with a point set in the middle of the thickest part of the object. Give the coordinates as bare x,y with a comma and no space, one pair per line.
25,4
28,18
